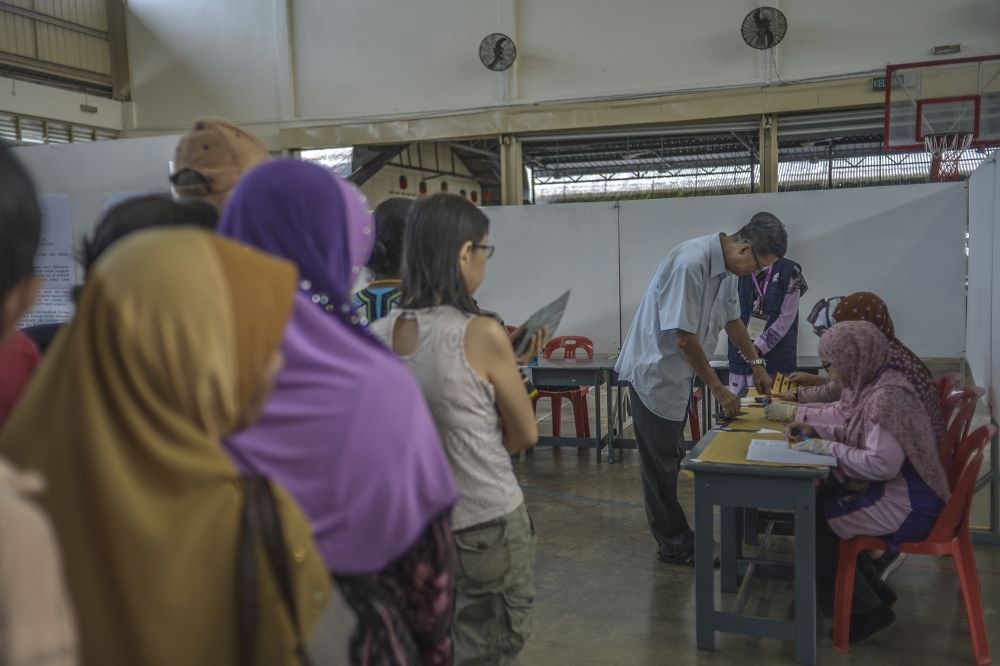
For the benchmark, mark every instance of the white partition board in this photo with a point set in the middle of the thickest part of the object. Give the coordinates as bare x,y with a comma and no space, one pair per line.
544,250
984,249
906,243
88,172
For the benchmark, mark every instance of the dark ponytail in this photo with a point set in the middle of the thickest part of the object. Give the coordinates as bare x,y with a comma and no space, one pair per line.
390,227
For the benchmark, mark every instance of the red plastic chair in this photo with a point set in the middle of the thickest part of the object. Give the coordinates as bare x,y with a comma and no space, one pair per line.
946,384
577,397
950,536
961,406
693,422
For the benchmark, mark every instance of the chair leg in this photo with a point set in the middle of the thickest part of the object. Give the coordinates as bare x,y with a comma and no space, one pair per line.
844,596
578,421
693,423
556,416
965,562
584,414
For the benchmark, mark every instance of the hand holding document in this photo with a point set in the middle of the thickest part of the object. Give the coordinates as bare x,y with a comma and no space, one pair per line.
546,318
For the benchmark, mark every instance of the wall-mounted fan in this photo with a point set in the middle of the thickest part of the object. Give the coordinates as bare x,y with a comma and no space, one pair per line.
497,51
764,28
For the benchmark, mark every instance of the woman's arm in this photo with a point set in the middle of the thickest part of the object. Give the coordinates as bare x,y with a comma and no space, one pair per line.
490,353
880,459
828,419
827,392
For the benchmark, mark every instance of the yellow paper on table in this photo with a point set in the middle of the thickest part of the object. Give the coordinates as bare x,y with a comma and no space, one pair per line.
731,448
753,421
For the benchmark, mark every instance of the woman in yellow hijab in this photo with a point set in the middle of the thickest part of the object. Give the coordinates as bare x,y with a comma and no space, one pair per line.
173,340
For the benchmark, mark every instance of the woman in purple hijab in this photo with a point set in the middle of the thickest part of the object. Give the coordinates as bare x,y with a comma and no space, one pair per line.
347,430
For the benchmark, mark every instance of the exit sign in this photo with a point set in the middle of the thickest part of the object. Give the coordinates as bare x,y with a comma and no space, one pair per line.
898,80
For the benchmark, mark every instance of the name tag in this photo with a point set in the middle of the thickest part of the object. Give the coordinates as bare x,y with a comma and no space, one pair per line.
756,325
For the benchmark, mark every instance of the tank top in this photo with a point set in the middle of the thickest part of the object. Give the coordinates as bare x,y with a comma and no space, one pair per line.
463,405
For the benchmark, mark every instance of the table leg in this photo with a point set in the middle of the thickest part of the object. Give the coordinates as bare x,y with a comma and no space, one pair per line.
611,426
704,572
731,545
805,572
597,412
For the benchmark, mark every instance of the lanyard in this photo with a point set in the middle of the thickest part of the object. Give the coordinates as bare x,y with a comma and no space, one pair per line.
767,283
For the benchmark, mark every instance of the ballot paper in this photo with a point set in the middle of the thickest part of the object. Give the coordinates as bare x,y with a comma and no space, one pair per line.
778,451
550,316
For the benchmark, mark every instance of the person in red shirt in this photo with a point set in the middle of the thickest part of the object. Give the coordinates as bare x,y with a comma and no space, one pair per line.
18,358
36,620
20,229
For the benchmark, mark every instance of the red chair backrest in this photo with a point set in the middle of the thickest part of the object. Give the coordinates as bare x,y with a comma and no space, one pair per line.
955,515
569,344
972,442
964,400
957,398
947,384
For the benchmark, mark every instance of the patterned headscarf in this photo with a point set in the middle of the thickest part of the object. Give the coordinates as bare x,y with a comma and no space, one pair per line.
866,306
877,394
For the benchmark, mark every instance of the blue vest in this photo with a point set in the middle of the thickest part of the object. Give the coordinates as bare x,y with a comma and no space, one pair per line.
783,357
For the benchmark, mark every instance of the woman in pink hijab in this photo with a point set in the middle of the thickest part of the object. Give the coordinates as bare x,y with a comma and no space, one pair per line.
888,480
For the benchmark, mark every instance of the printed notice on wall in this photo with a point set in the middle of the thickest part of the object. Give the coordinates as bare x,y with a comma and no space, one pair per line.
54,263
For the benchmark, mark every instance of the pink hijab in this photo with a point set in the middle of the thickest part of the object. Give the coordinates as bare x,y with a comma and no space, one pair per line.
877,394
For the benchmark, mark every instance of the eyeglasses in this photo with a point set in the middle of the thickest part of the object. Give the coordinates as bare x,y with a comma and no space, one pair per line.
488,249
826,366
759,267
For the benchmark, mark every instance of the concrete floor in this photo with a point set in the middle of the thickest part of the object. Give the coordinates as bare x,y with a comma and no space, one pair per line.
603,598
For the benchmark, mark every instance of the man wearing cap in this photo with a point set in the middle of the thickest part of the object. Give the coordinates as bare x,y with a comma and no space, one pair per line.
211,158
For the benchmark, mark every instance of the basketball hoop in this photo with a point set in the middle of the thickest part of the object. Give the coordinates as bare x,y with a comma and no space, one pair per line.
946,149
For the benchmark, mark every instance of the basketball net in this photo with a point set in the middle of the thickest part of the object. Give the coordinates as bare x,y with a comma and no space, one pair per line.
946,149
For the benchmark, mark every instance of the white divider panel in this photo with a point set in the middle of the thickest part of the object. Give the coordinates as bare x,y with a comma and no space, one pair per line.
992,383
906,243
543,251
984,248
88,172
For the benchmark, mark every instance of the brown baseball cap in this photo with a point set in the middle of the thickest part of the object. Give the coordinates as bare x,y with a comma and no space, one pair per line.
220,152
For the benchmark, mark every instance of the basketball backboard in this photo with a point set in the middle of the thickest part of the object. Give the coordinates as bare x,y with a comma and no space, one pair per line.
956,96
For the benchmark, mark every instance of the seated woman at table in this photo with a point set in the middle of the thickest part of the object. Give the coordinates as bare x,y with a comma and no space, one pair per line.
888,480
817,391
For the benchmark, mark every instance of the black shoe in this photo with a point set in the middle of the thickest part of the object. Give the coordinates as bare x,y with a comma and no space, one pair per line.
866,625
868,568
884,592
888,563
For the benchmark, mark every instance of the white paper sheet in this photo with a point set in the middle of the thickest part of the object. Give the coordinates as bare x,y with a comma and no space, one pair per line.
54,263
778,451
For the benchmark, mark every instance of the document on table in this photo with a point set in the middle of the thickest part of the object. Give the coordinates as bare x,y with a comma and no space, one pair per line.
778,451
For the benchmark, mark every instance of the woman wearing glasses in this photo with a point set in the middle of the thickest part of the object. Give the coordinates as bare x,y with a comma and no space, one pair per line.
864,306
888,480
465,364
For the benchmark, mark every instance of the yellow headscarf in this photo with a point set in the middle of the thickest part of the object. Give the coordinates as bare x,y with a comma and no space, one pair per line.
168,347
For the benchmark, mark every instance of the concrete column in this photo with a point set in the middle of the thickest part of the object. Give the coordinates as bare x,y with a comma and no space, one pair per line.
511,171
769,153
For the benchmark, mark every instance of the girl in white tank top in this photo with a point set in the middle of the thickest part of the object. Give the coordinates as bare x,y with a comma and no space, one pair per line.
466,366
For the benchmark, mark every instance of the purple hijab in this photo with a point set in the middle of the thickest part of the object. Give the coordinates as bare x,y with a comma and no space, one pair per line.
347,431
